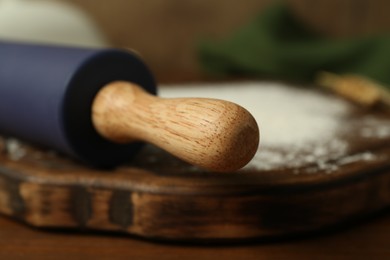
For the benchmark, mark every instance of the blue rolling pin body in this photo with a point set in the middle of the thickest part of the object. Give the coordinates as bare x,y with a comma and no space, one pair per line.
46,95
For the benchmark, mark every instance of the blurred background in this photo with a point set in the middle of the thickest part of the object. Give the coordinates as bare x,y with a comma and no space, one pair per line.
167,32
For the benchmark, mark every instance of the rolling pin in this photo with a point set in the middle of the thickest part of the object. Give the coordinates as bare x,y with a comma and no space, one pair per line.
99,106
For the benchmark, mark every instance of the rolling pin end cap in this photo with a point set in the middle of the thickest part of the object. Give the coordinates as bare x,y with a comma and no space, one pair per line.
240,149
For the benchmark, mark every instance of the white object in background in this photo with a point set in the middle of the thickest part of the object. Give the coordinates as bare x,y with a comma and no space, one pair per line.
45,21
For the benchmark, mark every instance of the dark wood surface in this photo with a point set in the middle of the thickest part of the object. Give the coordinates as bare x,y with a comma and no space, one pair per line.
346,209
170,200
369,239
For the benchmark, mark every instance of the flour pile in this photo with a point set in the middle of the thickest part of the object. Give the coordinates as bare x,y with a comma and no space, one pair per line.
298,126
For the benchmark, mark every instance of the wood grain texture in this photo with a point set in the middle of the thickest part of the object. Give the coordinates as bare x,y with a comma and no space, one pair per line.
160,197
367,240
214,134
191,208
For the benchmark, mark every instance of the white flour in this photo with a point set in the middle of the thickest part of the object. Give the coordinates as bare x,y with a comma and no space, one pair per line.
381,129
298,127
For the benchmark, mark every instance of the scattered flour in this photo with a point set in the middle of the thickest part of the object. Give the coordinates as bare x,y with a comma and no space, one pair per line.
381,129
298,127
14,148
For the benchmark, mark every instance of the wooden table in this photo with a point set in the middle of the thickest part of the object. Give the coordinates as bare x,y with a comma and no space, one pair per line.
368,239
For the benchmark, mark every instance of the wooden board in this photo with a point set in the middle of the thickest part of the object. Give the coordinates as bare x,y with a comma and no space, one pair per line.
157,196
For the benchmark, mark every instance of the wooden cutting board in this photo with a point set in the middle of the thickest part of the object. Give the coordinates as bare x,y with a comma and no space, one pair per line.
157,196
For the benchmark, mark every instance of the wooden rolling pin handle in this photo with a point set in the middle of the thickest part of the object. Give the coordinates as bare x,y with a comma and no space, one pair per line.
213,134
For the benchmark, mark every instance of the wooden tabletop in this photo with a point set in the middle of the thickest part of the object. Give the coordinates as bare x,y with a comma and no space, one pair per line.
368,239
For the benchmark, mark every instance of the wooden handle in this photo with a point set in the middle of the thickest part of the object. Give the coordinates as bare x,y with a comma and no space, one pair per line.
213,134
